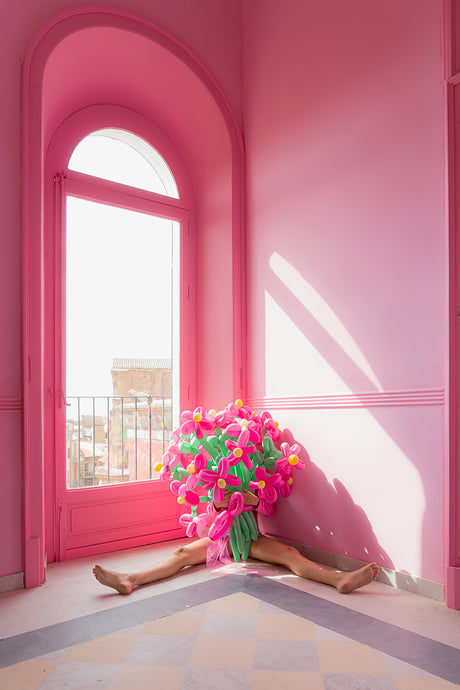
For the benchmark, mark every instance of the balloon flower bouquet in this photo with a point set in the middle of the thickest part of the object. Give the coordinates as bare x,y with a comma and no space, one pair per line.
216,458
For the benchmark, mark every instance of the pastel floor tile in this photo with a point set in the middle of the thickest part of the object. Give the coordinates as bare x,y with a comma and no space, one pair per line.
401,668
162,650
181,623
110,649
327,634
200,607
27,675
223,652
57,654
135,629
265,607
351,657
284,627
229,624
76,675
431,683
213,644
221,679
280,680
239,602
141,677
344,681
286,655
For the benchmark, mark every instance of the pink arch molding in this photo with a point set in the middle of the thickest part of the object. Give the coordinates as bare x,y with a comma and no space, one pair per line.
191,110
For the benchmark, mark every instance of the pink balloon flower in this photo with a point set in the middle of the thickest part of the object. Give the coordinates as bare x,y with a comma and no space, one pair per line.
197,464
238,409
265,484
240,450
175,435
271,427
184,493
223,419
254,429
287,480
198,421
290,458
177,456
194,525
194,468
171,460
219,480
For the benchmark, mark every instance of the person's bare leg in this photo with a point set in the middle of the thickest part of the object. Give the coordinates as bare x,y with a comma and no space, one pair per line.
191,554
272,551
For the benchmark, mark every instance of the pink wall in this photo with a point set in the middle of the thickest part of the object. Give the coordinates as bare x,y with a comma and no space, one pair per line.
211,30
343,119
343,113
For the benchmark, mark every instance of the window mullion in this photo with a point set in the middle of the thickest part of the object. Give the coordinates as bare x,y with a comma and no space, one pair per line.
115,194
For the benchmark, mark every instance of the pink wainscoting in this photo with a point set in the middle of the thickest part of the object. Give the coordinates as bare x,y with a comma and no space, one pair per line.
343,112
12,523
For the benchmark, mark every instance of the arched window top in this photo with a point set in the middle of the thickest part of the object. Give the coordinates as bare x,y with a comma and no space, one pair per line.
120,156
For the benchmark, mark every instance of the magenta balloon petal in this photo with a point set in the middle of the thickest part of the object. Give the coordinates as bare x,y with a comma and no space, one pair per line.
188,427
192,498
208,476
175,486
232,480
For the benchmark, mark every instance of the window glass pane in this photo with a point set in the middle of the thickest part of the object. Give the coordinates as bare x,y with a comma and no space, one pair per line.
120,156
122,349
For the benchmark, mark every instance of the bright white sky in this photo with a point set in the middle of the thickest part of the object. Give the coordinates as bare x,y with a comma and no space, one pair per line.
119,267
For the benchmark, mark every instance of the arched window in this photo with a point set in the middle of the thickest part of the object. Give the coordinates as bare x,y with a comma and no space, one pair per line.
122,314
121,212
121,156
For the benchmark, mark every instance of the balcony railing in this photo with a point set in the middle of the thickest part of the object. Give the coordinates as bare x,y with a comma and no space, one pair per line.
116,439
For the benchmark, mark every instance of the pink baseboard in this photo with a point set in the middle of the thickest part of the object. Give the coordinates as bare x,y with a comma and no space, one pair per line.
453,587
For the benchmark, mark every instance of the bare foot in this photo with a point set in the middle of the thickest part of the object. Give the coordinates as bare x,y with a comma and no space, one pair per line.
119,581
357,578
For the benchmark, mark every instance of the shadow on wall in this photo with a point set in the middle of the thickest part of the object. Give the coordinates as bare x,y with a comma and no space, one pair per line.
330,519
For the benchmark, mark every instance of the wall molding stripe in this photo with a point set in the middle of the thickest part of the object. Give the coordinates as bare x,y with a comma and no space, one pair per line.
10,404
401,398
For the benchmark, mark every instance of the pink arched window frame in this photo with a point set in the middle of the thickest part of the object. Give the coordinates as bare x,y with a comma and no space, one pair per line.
36,400
60,182
58,176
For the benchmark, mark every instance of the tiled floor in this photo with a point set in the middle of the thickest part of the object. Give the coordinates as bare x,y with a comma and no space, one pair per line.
239,626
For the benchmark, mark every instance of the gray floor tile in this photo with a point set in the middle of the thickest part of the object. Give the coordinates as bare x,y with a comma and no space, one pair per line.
212,679
286,655
162,650
78,675
343,681
229,624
